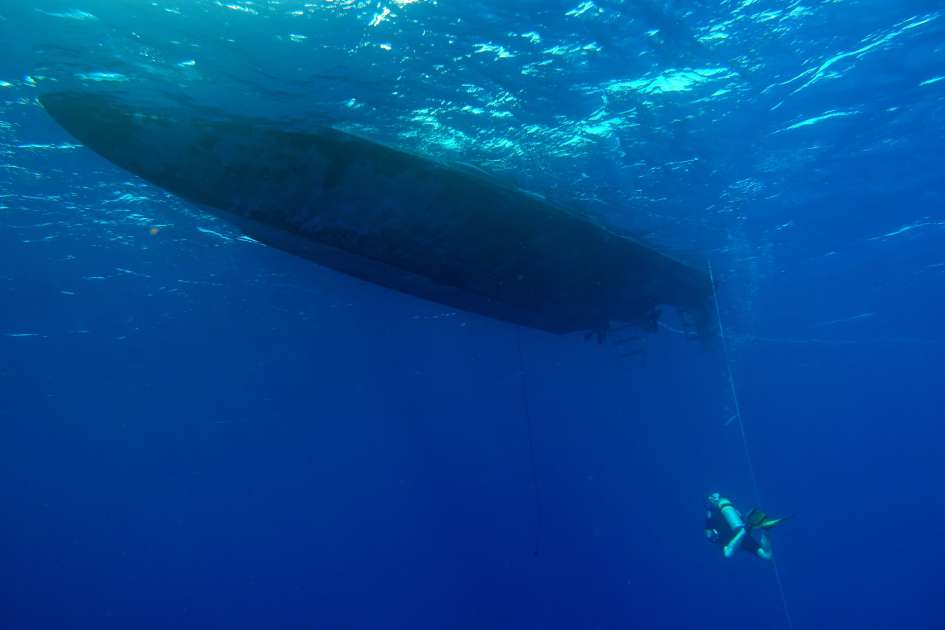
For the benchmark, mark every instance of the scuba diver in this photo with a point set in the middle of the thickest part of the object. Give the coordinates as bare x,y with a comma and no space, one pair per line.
725,526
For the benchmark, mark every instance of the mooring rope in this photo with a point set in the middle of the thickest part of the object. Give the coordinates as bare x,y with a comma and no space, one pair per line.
529,429
741,430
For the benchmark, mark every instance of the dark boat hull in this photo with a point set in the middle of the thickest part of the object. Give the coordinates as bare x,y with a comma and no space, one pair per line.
429,229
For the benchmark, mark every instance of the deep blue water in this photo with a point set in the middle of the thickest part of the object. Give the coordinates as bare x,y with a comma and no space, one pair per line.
197,431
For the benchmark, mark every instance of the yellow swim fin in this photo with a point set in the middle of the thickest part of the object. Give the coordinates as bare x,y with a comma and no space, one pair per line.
757,519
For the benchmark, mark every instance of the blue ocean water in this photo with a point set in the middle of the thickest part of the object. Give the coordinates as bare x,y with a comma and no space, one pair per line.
198,431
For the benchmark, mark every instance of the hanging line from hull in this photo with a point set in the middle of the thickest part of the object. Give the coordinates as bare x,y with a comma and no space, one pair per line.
741,429
530,433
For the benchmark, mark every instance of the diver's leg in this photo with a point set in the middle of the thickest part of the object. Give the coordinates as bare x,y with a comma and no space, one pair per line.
764,548
729,549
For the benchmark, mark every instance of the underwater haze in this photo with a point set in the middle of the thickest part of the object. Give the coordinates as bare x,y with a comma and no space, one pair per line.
200,431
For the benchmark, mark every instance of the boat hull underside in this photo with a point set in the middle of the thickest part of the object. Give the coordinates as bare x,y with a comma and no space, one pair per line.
399,220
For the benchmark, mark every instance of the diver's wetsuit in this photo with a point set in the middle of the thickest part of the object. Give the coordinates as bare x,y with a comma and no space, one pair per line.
715,521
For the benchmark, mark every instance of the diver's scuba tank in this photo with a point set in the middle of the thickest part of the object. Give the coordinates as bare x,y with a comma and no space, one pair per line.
732,518
731,515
